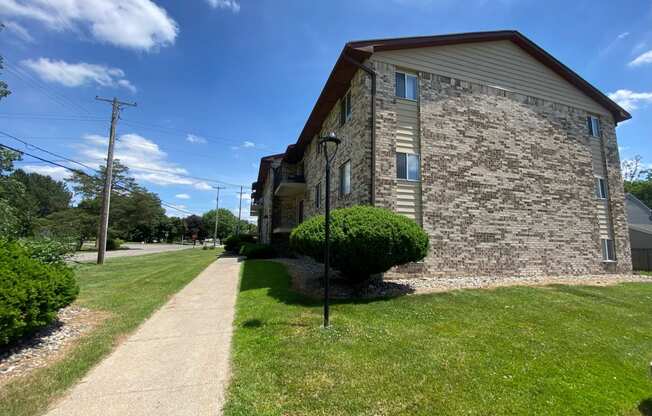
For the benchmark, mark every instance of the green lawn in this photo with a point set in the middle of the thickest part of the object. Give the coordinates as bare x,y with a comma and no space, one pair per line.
559,350
130,289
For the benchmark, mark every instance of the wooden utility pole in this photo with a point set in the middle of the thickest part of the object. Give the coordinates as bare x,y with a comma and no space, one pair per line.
237,227
108,180
217,213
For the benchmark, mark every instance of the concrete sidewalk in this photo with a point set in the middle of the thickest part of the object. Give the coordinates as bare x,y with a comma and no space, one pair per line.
176,363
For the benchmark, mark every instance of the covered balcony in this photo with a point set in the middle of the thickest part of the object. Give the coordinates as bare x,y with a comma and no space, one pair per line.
289,185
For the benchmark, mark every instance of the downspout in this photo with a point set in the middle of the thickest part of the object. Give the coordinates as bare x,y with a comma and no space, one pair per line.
372,75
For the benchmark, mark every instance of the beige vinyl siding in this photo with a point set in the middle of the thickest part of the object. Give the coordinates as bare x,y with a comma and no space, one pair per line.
500,64
603,219
408,199
597,160
407,126
408,193
596,157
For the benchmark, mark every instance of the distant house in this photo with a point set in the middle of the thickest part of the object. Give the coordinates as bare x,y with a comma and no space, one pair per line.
639,218
506,157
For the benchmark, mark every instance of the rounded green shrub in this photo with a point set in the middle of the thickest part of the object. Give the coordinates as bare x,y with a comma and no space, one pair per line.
364,240
257,251
114,244
31,292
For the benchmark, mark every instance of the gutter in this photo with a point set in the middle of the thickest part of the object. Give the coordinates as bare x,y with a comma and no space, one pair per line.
372,76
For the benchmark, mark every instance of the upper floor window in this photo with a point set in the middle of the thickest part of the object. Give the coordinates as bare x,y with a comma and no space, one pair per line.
406,86
345,108
601,188
318,195
407,166
345,178
608,253
594,126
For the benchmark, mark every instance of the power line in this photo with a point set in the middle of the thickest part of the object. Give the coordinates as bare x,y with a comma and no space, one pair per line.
180,175
49,117
115,185
44,150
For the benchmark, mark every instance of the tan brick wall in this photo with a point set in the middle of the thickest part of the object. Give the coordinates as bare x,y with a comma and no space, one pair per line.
356,146
507,181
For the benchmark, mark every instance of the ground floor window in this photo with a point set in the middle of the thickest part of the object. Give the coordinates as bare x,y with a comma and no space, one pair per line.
608,253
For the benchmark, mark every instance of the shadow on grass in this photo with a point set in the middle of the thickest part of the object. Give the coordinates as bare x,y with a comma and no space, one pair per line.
273,276
645,407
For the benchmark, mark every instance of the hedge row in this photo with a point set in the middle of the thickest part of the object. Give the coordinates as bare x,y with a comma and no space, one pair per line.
257,251
233,242
31,292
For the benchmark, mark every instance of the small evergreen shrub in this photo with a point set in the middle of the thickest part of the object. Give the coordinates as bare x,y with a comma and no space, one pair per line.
257,251
364,241
233,242
31,292
114,244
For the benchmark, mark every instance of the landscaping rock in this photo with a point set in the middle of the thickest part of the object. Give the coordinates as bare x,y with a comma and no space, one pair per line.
307,278
47,344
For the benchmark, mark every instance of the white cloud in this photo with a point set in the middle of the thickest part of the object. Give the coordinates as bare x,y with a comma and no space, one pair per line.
146,161
203,186
133,24
232,5
19,31
195,139
630,100
245,145
75,75
182,196
645,58
56,172
623,35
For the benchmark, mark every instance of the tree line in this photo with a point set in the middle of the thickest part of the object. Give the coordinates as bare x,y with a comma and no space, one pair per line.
638,179
35,205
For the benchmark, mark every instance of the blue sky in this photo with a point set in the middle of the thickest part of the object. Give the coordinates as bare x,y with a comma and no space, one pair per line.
220,83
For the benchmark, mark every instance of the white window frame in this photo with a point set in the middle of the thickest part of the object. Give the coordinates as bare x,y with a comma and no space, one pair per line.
342,171
608,250
594,127
405,85
407,166
601,190
348,106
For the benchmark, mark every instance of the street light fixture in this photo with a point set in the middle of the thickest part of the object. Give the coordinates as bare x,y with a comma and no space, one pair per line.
325,142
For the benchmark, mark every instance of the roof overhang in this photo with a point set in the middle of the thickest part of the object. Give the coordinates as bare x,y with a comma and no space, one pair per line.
358,51
263,169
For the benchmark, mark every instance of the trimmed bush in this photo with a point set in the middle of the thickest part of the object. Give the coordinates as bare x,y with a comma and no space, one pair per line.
257,251
31,292
364,241
114,244
233,242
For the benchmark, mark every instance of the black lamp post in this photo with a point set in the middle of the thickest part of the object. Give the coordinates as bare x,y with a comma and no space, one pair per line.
325,142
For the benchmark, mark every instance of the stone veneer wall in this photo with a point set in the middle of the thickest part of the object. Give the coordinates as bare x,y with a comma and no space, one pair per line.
507,182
